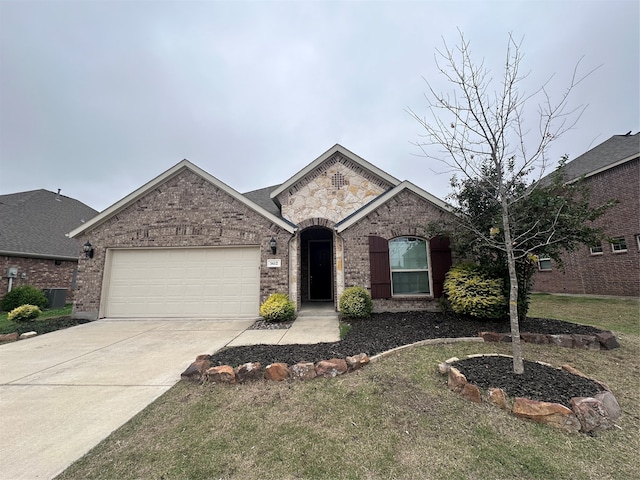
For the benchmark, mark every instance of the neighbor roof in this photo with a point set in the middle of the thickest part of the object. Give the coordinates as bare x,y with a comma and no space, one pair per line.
615,151
163,177
35,223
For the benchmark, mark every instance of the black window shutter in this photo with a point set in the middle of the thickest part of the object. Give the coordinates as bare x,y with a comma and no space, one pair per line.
380,269
440,262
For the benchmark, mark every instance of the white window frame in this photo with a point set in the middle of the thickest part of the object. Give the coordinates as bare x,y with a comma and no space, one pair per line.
638,240
404,270
618,241
544,259
600,250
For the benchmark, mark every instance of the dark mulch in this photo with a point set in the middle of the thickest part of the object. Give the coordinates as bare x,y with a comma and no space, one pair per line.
46,325
385,331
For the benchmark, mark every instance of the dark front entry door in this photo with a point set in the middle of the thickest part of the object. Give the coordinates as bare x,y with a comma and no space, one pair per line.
320,271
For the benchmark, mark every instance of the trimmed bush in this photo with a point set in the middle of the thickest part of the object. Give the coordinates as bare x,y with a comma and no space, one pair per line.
470,292
278,308
23,295
24,313
355,302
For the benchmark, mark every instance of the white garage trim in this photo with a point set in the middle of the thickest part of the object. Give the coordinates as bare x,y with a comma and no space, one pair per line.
181,282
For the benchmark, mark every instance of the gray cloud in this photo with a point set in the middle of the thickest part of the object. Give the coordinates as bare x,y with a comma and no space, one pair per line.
97,98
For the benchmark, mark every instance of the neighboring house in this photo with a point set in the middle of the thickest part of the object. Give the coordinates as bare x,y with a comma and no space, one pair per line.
187,245
34,248
612,172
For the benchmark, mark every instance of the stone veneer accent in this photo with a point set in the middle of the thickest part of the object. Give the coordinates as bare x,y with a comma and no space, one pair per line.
333,191
185,211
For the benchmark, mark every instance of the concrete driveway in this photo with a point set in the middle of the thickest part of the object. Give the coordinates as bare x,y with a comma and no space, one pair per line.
63,392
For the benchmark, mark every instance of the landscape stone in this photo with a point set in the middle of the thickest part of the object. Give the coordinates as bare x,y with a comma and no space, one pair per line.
561,340
498,397
248,372
303,371
276,372
444,368
610,404
586,342
357,361
471,392
552,414
490,336
9,337
196,369
221,374
331,368
608,340
538,338
591,414
456,380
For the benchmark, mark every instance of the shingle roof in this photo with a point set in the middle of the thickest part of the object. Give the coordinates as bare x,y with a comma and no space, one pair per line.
34,223
607,154
263,198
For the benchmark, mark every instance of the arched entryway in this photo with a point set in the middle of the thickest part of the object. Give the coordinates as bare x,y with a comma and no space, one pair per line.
317,265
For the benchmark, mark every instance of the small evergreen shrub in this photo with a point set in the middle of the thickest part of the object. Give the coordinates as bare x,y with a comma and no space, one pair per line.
24,313
355,302
23,295
278,308
470,292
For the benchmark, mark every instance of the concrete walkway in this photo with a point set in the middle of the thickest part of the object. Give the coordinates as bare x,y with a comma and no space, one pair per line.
63,392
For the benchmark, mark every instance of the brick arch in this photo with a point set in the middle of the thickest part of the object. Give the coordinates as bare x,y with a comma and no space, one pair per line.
316,222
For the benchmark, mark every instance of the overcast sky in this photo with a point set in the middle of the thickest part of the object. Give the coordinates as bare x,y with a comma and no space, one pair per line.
99,97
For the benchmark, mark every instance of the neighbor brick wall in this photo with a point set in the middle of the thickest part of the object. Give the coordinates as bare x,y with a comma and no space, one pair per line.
38,272
186,210
406,214
609,273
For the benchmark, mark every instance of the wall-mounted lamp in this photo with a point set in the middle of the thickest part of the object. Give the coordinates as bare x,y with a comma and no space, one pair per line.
88,250
272,244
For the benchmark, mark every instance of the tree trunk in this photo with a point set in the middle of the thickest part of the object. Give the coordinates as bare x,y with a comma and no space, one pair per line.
518,363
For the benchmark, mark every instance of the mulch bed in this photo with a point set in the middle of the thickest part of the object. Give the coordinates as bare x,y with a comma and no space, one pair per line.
45,325
385,331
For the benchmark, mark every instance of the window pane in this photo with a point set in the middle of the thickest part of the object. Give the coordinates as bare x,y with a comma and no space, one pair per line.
410,283
619,244
544,264
408,254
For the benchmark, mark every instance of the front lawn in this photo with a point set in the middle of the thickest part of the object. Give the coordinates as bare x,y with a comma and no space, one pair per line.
46,322
395,418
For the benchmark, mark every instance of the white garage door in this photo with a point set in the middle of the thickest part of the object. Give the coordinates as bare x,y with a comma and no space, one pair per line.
183,282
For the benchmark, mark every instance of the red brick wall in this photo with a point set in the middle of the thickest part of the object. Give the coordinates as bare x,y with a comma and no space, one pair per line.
38,272
184,211
609,273
406,214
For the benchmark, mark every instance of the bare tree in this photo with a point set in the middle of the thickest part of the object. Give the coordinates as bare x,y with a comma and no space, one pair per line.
482,135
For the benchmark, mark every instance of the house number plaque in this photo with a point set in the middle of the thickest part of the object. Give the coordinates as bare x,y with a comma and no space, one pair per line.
274,263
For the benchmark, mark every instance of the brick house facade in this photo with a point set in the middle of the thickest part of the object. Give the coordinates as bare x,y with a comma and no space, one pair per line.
612,172
187,245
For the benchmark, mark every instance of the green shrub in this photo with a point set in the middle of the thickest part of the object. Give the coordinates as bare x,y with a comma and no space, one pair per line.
278,308
470,292
23,295
355,302
24,313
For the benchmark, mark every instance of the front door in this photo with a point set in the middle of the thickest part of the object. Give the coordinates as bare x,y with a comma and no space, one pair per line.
320,270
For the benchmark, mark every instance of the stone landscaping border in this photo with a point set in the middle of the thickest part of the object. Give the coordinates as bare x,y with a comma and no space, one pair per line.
603,340
587,414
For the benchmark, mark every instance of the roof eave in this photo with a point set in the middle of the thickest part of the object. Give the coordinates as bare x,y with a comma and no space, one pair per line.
38,255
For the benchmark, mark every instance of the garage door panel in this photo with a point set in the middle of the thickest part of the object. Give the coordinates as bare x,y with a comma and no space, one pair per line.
189,282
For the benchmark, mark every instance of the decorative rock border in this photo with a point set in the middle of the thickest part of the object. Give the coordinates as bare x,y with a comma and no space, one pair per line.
587,414
604,340
12,337
202,371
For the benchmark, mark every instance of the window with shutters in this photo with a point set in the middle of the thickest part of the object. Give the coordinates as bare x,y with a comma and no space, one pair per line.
409,266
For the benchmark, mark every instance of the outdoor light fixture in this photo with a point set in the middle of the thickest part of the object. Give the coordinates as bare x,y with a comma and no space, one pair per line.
272,244
88,250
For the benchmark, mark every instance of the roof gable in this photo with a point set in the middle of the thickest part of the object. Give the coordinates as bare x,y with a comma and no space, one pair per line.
312,169
163,177
382,199
35,223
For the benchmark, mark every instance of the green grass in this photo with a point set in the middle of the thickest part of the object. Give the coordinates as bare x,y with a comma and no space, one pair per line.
395,418
7,325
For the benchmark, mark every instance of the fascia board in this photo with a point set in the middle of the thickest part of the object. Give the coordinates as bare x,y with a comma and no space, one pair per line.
149,186
326,155
382,199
